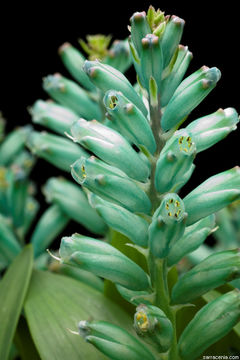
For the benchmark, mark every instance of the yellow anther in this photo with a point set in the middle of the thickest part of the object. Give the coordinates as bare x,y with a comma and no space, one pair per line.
113,102
171,201
181,140
142,321
177,203
83,171
167,206
169,213
185,143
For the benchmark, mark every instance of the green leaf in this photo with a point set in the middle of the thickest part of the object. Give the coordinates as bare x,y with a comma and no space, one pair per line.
13,288
172,277
186,314
112,293
237,329
120,242
56,303
24,342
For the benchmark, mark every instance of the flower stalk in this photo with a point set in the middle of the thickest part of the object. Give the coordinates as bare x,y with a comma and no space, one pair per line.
158,267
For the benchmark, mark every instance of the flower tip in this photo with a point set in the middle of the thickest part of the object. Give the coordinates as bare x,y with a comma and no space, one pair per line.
177,20
237,168
83,329
204,68
51,82
138,16
89,68
87,65
63,47
231,112
213,74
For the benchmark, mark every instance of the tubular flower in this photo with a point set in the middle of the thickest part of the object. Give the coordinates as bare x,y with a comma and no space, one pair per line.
111,147
111,184
175,164
168,225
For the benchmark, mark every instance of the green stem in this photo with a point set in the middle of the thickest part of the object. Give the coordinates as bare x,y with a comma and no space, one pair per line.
158,267
160,285
152,193
155,120
155,117
173,352
158,273
101,105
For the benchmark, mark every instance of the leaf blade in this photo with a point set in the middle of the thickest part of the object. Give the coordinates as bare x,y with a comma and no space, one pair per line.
56,303
13,288
24,343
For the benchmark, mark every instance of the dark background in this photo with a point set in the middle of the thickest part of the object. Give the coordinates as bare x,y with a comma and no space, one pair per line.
31,35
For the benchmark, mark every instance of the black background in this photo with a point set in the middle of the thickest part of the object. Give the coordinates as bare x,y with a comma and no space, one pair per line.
31,34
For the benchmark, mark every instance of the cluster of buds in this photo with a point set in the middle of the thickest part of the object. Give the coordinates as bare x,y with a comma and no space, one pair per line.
18,206
130,158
